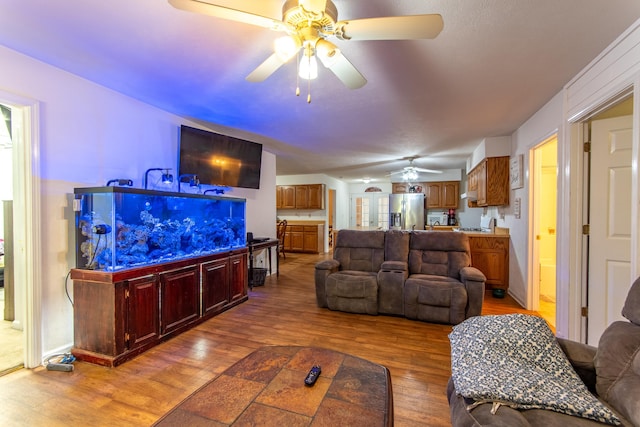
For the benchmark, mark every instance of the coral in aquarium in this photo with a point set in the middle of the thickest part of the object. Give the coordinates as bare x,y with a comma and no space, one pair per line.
154,239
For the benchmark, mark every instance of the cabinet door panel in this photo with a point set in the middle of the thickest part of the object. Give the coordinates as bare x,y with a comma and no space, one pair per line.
180,302
450,194
302,196
310,243
491,256
215,286
143,307
238,282
316,196
434,195
288,197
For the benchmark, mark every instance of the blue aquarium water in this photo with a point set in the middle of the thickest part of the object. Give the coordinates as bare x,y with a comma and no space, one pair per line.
122,227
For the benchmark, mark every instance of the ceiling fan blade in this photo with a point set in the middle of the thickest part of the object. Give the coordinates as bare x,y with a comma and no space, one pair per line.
333,59
427,170
264,70
315,6
205,8
391,28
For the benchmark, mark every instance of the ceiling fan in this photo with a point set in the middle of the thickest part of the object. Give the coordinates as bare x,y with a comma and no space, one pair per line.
308,24
411,173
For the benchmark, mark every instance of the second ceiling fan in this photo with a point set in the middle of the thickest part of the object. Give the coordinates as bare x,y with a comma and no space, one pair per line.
308,24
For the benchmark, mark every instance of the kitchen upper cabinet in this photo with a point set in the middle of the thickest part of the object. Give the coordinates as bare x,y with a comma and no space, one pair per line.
491,180
443,195
302,196
309,196
287,196
315,196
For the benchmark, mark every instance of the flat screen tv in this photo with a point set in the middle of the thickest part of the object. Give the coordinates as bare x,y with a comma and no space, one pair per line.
219,159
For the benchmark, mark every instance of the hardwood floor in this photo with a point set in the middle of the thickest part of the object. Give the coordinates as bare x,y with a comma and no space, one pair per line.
283,312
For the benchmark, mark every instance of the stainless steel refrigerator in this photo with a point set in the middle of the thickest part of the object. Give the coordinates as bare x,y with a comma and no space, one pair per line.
406,211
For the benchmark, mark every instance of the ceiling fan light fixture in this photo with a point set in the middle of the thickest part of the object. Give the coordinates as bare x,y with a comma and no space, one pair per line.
286,47
308,69
410,175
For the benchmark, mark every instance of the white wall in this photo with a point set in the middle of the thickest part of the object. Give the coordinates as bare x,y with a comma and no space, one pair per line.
90,134
546,122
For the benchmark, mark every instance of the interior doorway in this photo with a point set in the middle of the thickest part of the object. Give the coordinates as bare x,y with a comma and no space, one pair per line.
545,184
11,336
332,216
608,213
369,211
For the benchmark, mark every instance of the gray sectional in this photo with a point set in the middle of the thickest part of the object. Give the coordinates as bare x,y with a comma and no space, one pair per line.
423,275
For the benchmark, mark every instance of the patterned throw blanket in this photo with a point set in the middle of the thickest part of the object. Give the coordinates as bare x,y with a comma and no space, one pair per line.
515,360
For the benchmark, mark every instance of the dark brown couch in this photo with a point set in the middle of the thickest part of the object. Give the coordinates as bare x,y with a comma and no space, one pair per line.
611,371
423,275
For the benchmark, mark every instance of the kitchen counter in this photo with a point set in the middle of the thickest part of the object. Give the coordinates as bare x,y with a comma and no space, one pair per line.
303,222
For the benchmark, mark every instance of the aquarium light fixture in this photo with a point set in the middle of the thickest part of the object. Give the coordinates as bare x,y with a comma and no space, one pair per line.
193,180
167,178
120,182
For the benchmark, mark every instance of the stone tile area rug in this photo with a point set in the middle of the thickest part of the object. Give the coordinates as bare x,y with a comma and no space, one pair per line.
267,388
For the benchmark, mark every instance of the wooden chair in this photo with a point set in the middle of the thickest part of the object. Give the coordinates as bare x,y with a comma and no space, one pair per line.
282,230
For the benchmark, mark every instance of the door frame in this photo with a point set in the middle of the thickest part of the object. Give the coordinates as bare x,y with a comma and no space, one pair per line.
27,221
534,219
574,207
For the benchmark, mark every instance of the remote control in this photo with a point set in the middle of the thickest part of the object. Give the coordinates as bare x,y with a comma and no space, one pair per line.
313,375
59,367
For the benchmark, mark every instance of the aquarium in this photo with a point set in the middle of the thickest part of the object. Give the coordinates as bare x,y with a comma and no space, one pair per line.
122,227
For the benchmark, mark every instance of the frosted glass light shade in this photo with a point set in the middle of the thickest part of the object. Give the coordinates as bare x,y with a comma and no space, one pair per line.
308,68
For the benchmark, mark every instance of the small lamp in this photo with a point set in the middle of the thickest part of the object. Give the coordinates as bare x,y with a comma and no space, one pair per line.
120,182
193,180
167,178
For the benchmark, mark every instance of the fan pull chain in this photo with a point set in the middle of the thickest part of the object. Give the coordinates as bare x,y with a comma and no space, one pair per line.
298,74
309,84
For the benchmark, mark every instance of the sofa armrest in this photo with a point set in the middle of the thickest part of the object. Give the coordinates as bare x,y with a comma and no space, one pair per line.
581,356
394,266
473,281
472,274
322,271
328,264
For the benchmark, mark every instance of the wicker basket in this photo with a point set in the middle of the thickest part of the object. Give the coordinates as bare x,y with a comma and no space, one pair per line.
259,276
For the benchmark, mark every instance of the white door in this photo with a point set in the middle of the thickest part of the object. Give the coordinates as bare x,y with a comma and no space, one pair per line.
369,211
609,276
545,182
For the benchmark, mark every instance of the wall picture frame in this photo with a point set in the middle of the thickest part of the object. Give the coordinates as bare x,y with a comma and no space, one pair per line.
516,172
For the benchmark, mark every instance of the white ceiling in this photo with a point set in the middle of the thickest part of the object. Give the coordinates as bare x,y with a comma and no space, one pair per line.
495,63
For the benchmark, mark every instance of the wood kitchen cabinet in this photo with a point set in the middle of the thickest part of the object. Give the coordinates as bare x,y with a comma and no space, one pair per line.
287,194
445,194
490,255
490,178
315,195
118,315
399,187
309,196
304,238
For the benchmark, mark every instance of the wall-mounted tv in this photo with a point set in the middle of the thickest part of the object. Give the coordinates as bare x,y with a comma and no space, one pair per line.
219,159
